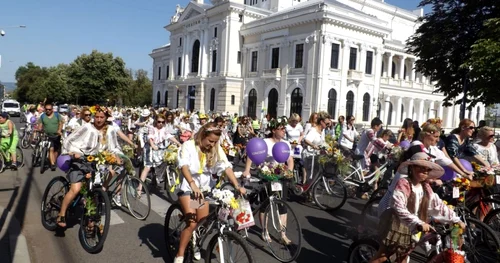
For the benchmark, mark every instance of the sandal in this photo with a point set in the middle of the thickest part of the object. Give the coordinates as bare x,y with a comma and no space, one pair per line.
61,221
265,237
285,240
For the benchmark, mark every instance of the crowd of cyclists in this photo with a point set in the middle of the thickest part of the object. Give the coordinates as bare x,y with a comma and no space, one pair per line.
406,206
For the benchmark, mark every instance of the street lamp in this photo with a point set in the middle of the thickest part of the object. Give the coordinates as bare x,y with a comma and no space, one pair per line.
2,32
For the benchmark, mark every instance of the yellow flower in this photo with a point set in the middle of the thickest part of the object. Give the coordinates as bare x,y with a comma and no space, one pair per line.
234,204
90,158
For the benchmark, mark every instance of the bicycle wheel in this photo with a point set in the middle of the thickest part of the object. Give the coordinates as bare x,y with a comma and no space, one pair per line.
43,160
94,224
52,200
35,155
482,207
2,162
228,247
172,184
369,214
280,226
25,142
174,224
362,250
138,205
19,157
329,194
493,220
482,244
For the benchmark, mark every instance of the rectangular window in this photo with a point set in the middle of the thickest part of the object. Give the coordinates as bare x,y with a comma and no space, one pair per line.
180,41
233,99
215,32
353,56
238,59
168,72
275,58
179,66
369,62
214,60
334,59
159,73
299,55
253,67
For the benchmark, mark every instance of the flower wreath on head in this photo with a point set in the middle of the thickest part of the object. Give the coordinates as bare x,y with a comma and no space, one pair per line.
432,121
275,123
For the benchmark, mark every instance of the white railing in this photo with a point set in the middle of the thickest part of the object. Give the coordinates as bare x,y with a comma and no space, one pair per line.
271,73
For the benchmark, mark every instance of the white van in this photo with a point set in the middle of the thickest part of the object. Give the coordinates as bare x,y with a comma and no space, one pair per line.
12,107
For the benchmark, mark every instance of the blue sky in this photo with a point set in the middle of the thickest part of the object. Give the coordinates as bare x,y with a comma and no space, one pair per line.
57,31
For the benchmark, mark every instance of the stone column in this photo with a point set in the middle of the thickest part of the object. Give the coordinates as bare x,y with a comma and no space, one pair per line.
398,109
186,43
409,111
384,59
402,68
413,72
389,65
362,54
386,109
420,110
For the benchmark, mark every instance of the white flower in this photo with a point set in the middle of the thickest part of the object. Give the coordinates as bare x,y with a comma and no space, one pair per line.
265,169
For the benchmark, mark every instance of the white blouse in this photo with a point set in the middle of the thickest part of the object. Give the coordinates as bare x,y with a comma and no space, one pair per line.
201,174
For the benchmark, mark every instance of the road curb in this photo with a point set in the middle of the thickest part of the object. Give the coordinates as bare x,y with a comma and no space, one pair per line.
18,246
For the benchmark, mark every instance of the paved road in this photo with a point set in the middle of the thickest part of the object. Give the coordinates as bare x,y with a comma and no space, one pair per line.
130,240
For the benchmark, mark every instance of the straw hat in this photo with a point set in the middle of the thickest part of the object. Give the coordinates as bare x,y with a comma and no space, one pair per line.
422,159
145,113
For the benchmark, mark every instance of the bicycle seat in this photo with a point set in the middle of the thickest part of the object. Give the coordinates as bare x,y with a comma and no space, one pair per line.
358,157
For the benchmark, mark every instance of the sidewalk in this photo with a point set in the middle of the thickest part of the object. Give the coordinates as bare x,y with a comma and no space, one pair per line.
13,245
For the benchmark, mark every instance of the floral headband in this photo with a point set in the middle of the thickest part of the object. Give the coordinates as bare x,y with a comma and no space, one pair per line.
212,129
275,123
432,121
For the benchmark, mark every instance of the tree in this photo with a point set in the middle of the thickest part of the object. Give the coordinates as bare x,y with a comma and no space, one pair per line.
484,62
140,89
29,79
443,44
97,77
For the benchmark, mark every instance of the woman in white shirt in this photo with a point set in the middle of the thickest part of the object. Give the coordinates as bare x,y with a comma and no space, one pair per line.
312,143
486,147
295,134
198,160
349,134
312,122
277,128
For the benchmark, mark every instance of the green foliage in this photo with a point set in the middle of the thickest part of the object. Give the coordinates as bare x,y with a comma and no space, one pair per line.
89,79
444,41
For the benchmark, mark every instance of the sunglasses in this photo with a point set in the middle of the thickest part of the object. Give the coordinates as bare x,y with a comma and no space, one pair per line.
423,169
471,127
87,115
160,122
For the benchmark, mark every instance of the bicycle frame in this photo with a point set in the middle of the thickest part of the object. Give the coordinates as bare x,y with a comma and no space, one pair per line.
359,179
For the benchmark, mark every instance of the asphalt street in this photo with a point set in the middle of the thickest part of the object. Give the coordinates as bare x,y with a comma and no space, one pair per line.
131,240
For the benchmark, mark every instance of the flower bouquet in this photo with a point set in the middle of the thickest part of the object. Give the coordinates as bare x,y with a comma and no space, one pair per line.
485,176
396,153
170,155
229,150
128,151
273,171
333,161
103,157
226,197
462,185
454,254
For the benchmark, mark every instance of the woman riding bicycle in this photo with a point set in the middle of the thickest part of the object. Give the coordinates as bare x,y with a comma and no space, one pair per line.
411,206
9,138
198,160
89,139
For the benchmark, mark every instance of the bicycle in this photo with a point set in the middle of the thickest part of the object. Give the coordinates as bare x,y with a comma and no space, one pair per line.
5,158
220,221
40,152
92,200
127,185
272,190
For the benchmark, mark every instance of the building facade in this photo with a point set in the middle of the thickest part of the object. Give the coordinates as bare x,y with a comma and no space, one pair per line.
278,57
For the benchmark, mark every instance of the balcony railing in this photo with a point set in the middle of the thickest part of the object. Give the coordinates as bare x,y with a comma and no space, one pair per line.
406,84
354,75
271,73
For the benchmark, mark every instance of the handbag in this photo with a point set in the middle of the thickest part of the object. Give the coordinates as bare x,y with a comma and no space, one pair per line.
243,214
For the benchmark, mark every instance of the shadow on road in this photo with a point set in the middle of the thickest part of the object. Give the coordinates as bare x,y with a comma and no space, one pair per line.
152,235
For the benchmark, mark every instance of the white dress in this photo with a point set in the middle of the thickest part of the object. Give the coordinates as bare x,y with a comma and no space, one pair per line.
201,174
293,134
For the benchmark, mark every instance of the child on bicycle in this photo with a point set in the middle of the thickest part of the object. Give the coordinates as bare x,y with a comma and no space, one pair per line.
411,206
376,152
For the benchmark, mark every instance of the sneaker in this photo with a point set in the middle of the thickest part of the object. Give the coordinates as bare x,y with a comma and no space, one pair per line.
53,167
179,260
13,167
197,255
117,199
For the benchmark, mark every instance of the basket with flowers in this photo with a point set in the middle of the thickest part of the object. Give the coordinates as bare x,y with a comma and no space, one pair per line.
103,157
485,176
333,161
170,155
274,171
454,254
229,150
461,185
128,151
225,197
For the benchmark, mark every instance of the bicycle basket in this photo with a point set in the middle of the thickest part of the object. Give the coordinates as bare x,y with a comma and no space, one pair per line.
330,170
452,256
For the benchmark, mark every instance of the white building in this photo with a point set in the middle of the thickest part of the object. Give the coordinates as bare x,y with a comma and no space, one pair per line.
282,56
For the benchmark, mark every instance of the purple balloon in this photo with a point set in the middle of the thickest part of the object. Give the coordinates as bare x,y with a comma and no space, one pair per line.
257,150
63,162
281,152
118,122
404,144
467,165
33,120
449,174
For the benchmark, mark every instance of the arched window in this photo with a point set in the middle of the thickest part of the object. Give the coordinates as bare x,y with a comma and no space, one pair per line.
166,98
332,102
296,102
393,75
195,56
349,106
402,112
212,99
272,103
366,106
158,98
389,113
252,103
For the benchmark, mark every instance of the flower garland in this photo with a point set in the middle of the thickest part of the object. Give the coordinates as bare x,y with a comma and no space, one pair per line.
463,185
103,157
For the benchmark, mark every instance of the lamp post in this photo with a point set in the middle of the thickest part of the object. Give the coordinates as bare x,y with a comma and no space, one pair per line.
2,32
